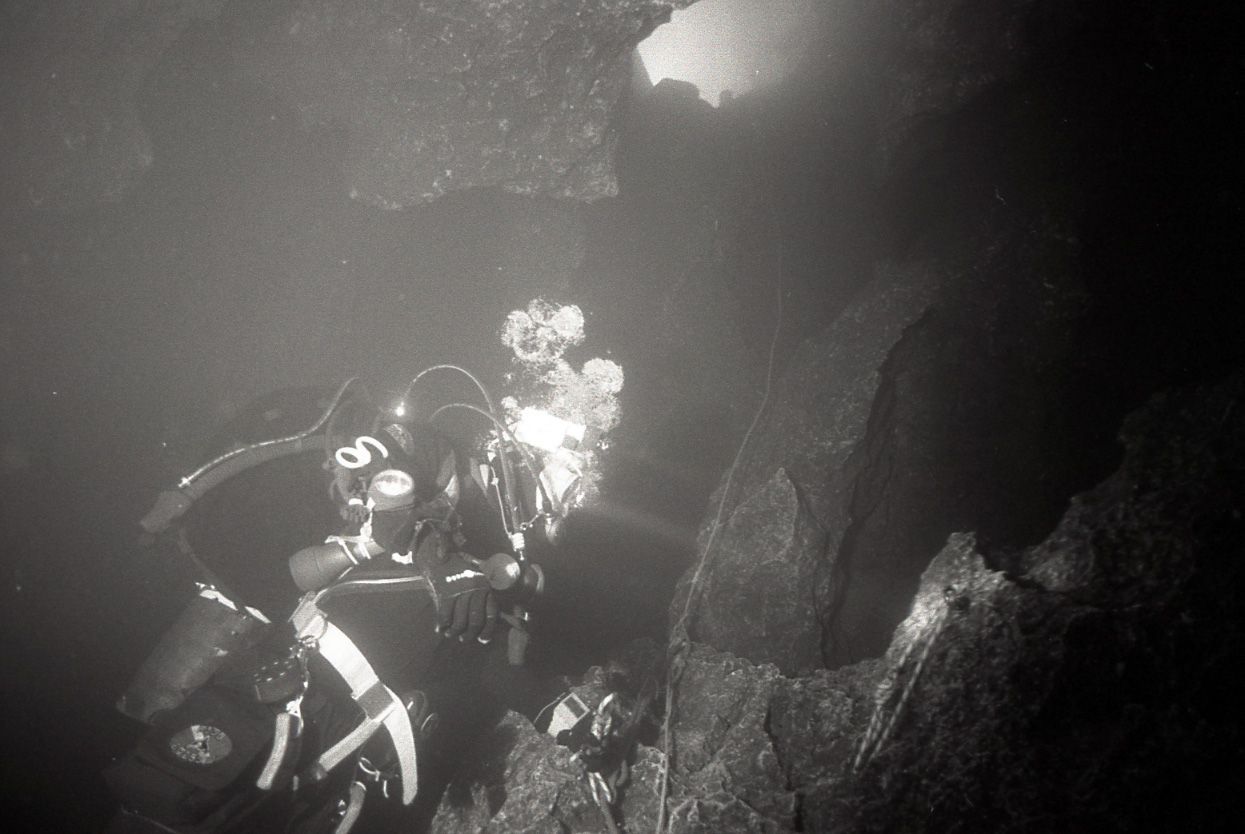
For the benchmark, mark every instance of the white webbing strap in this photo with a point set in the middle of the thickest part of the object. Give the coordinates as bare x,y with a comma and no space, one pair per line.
379,704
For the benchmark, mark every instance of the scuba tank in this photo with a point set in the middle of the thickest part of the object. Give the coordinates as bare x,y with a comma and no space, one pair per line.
210,629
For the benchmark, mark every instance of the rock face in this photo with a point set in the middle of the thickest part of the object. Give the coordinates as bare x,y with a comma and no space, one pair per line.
789,501
754,751
1087,691
767,589
450,95
960,363
899,424
434,96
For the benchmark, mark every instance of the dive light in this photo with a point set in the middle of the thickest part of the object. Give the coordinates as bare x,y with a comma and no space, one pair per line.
548,432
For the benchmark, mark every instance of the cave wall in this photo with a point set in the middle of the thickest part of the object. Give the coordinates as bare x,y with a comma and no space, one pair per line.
1026,296
1007,324
952,366
1015,614
1086,689
433,97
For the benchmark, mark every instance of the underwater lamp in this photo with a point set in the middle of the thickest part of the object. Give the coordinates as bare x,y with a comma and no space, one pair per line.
396,406
545,431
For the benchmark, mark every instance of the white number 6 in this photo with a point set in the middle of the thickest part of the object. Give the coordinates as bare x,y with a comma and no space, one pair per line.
357,456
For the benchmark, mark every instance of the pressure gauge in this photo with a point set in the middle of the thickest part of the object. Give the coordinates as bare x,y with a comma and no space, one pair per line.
200,744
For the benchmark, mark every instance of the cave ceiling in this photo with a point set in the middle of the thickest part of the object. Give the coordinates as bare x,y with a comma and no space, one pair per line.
433,97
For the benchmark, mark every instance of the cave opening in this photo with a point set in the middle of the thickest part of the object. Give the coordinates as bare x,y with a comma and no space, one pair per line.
729,48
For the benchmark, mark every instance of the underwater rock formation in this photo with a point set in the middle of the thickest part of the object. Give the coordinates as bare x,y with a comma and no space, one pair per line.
1085,689
1044,666
754,750
442,96
958,364
819,418
435,96
899,424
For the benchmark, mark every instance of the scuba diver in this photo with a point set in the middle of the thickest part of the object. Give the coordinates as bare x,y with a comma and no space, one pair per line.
410,636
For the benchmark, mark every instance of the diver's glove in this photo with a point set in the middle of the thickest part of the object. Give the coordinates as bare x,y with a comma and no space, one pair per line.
466,604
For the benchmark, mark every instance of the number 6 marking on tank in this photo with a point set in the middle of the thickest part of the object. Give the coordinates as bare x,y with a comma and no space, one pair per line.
356,456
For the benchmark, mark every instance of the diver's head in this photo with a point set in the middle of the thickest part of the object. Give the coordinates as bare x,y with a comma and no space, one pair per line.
389,447
354,465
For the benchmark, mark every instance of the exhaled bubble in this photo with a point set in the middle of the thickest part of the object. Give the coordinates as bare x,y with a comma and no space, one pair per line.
540,334
585,399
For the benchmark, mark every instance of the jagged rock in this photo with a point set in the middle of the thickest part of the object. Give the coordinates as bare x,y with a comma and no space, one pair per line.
790,496
822,405
752,751
522,783
816,723
1135,538
442,96
955,577
764,607
723,756
756,751
68,118
902,422
1085,694
975,391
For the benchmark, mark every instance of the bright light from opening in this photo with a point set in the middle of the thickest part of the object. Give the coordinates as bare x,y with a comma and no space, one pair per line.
730,45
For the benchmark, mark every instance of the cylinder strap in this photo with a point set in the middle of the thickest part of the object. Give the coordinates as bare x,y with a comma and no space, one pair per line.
379,704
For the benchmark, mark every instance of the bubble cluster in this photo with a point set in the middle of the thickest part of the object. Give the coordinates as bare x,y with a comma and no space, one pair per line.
541,377
540,334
